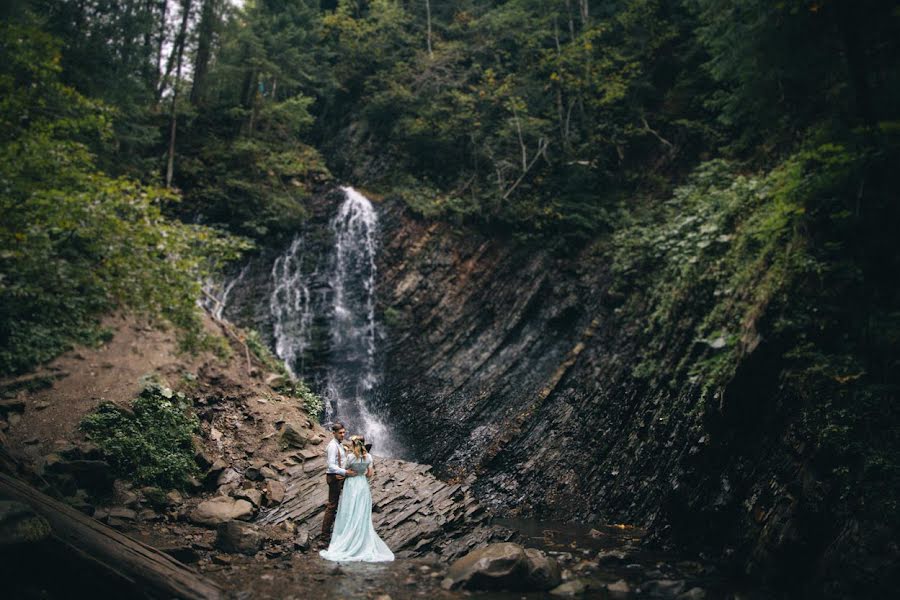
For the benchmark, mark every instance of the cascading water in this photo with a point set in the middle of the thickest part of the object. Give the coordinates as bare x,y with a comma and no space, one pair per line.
291,307
344,302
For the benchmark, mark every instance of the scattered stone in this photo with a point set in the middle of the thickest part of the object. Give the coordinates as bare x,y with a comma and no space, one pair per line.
301,540
274,492
293,435
174,498
275,381
220,510
694,593
155,496
594,533
148,514
222,559
185,554
125,514
128,498
383,597
268,473
41,405
228,476
570,589
619,590
253,471
663,588
236,536
611,557
543,571
251,495
19,524
203,458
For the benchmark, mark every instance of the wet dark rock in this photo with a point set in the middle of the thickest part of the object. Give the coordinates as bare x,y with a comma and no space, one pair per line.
694,593
608,557
503,566
185,554
93,475
572,589
237,536
663,588
543,571
620,590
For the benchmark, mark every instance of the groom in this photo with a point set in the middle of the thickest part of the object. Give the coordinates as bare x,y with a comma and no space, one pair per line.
336,458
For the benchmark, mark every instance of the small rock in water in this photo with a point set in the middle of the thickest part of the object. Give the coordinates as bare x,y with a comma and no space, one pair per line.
611,557
663,588
570,589
693,594
619,590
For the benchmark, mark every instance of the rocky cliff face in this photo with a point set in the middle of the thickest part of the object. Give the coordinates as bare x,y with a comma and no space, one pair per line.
513,368
517,368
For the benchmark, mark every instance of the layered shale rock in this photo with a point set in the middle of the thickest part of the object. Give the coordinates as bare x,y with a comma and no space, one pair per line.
413,512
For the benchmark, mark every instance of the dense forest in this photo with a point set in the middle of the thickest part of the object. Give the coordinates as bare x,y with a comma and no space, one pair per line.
734,159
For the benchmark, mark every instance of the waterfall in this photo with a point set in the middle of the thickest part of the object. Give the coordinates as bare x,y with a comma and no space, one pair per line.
339,298
291,307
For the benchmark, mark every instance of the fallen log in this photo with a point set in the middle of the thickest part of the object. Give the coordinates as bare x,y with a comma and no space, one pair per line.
147,571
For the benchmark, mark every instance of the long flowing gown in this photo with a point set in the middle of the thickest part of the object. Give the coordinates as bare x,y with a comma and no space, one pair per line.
354,537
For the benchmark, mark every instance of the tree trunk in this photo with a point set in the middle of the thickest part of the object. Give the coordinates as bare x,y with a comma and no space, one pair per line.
856,61
133,566
428,15
209,20
180,43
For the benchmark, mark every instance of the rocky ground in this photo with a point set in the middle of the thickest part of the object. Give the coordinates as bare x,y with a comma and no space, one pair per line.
251,522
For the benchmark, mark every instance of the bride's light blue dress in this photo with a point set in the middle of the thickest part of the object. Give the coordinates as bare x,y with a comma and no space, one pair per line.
354,537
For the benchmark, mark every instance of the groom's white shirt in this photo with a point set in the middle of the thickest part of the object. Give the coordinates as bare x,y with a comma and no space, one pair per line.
332,452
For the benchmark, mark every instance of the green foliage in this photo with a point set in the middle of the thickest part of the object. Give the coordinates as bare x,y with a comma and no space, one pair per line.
74,242
152,444
799,259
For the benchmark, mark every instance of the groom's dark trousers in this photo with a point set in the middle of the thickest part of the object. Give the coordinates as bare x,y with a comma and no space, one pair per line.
335,486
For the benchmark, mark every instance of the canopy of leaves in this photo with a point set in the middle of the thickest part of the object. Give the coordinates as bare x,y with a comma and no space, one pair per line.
75,242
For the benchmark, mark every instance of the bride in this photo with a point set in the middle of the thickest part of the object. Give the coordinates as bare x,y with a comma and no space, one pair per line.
354,536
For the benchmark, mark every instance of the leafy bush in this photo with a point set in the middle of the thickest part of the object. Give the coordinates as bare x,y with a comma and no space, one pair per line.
74,242
152,444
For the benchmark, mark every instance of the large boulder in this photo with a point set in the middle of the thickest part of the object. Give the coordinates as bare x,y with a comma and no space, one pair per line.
504,566
236,536
295,435
220,510
543,571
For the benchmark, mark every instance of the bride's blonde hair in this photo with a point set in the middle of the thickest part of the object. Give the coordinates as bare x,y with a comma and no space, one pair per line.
358,445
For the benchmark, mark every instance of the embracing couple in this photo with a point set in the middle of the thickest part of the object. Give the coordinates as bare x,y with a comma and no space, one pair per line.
349,509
